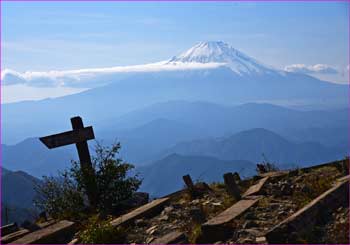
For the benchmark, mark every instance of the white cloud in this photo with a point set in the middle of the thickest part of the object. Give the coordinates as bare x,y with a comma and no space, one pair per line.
313,69
86,78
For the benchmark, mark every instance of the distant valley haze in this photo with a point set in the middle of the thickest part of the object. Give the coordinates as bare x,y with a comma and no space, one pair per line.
202,102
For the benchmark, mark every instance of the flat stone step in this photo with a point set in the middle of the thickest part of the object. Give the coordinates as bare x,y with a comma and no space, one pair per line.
14,236
171,238
299,222
217,228
231,213
56,233
255,189
146,210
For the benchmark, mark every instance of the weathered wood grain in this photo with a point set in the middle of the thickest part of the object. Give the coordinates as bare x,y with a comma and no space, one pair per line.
56,233
68,137
144,211
14,236
255,189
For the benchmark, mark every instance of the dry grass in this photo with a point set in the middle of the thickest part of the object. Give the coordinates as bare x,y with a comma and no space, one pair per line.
314,184
194,234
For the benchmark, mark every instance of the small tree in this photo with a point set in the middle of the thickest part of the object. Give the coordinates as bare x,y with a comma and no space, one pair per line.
65,196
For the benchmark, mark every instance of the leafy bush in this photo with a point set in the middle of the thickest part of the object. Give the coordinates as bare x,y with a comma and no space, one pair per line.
60,197
65,196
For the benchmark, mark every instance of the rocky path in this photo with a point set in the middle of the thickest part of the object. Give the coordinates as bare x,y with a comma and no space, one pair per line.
276,206
184,214
280,196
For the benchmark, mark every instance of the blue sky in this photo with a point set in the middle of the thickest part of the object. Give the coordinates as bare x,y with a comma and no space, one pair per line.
38,36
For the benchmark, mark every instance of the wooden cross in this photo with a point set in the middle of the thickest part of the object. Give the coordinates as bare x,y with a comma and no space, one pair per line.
78,136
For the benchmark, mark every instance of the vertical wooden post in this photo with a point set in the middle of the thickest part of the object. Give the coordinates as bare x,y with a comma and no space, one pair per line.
85,164
188,181
236,177
231,186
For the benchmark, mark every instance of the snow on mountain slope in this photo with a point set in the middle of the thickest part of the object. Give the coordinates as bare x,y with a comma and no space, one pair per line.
202,56
222,53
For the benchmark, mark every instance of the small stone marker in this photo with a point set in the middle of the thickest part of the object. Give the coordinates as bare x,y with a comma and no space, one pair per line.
78,136
236,177
231,186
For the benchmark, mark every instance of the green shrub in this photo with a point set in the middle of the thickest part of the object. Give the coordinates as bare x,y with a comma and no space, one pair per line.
60,197
65,196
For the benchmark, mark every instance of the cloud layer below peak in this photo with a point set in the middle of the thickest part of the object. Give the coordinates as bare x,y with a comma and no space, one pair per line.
312,69
92,77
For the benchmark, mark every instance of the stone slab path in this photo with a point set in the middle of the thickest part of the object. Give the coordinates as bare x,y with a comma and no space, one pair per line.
143,211
48,234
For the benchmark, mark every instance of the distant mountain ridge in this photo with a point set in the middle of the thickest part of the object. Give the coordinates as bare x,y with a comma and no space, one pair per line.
165,175
33,157
234,78
17,196
255,144
147,132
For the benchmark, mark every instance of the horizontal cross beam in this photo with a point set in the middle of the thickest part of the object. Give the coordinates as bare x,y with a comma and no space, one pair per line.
69,137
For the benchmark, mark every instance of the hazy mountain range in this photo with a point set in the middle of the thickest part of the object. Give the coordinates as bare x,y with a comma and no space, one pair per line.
211,71
165,175
252,144
17,196
201,128
210,110
248,145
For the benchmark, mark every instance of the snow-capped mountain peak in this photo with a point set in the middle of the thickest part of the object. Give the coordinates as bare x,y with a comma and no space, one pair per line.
220,52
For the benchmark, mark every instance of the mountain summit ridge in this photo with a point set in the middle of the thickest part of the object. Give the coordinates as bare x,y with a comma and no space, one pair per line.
221,52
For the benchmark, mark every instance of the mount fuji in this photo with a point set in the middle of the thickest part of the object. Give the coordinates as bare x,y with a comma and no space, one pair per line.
221,53
210,71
